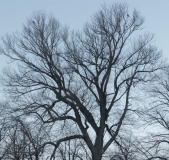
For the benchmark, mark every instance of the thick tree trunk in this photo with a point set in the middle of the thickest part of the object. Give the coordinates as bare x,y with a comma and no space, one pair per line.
97,150
96,156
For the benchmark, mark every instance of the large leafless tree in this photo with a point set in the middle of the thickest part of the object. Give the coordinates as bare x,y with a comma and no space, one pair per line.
84,85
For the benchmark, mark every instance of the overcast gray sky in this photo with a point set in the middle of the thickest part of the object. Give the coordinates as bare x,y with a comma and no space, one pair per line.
75,13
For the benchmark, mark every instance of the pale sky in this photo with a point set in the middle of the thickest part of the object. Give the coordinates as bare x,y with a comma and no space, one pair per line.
75,13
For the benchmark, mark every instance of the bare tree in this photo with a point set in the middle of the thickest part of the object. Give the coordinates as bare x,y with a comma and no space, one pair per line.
73,150
157,116
82,84
21,141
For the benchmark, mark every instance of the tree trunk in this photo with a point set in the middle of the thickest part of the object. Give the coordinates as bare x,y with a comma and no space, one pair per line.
96,156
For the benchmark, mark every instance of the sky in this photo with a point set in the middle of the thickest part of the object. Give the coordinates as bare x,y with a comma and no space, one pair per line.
75,13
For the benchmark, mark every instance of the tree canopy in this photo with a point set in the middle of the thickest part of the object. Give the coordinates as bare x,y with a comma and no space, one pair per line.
84,87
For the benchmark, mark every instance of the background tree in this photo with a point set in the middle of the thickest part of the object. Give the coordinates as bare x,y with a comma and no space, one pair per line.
157,116
73,150
84,85
21,140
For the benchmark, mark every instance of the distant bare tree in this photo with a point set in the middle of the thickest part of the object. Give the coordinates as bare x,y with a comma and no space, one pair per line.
158,116
83,85
21,141
73,150
127,147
